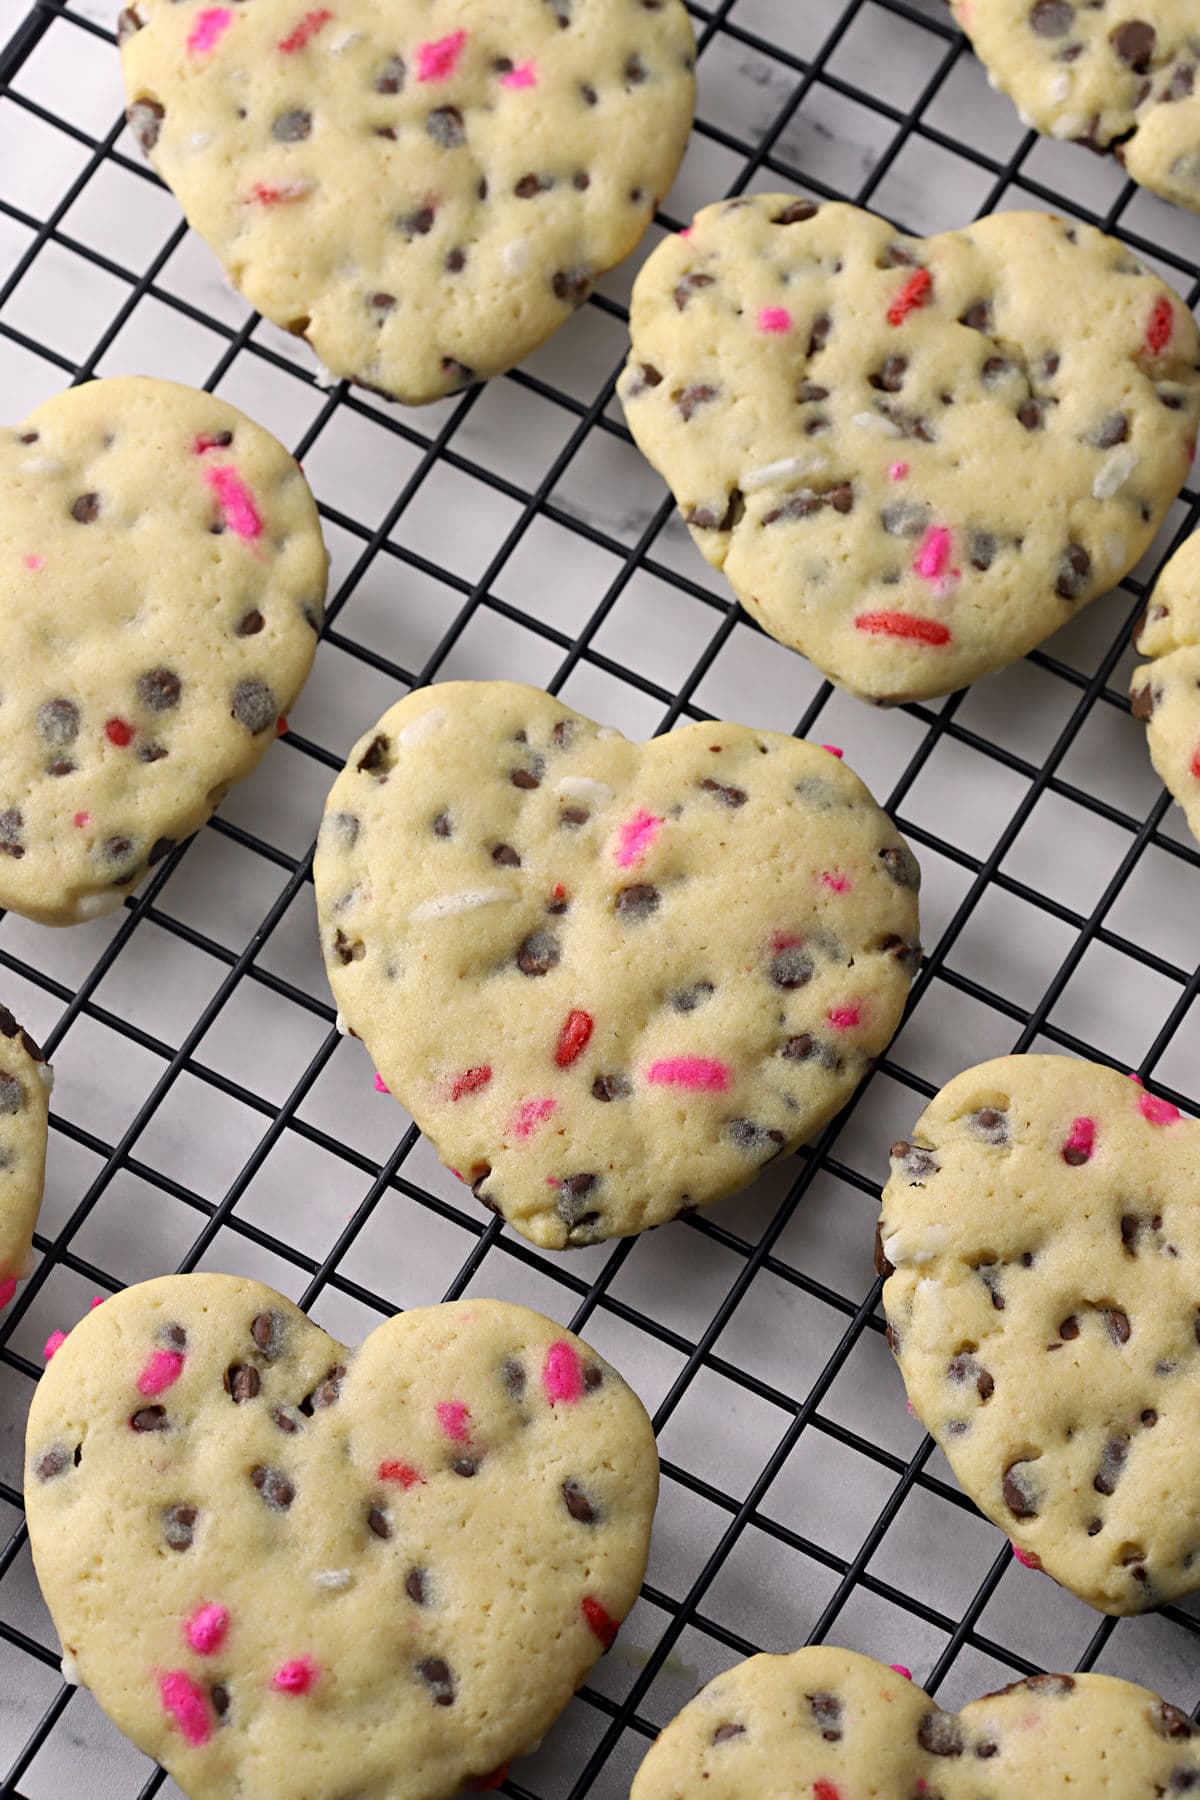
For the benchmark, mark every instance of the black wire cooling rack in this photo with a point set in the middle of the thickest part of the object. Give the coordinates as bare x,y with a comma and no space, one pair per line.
208,1115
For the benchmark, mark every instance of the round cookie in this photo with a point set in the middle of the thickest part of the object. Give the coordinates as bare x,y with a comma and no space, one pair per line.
1042,1242
286,1568
25,1082
907,464
610,981
423,189
1106,73
832,1725
162,578
1166,692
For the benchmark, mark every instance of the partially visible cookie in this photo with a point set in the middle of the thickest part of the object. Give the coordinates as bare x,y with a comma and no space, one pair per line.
25,1082
826,1724
610,981
424,189
1041,1235
908,464
162,578
1166,692
289,1569
1107,73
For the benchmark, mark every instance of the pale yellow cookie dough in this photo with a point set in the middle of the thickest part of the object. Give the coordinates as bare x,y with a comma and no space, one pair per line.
1166,692
423,189
25,1082
292,1570
913,459
610,981
827,1724
1119,72
162,578
1045,1313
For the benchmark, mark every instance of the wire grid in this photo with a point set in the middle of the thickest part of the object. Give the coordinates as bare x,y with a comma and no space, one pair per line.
209,1116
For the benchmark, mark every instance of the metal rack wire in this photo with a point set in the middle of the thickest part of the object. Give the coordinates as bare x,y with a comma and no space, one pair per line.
229,1126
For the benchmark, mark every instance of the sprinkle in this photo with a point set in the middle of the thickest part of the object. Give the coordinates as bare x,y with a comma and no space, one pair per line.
439,58
1158,1112
423,726
486,1782
825,1790
915,292
381,1086
700,1073
119,733
295,1677
598,1621
402,1472
771,474
205,1630
97,1300
161,1371
835,881
898,471
582,787
210,27
1196,764
1114,472
70,1670
452,1417
8,1287
336,1579
775,319
234,501
184,1700
279,193
35,562
1028,1559
843,1018
572,1039
81,819
1081,1142
308,27
1160,328
468,1081
516,256
899,1669
444,906
834,751
561,1376
685,231
876,422
933,555
281,725
523,76
54,1342
785,940
635,837
904,625
528,1116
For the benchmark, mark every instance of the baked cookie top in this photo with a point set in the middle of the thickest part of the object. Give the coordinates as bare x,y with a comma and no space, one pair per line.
909,465
828,1723
25,1082
1042,1241
288,1568
609,980
1166,691
1104,72
423,189
162,578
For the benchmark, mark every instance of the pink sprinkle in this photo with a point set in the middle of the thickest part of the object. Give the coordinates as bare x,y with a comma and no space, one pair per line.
899,1669
235,501
381,1086
184,1699
834,879
280,193
561,1374
81,819
843,1018
529,1115
1081,1141
785,940
161,1371
97,1300
700,1073
523,76
308,27
439,58
452,1417
295,1677
8,1287
1158,1112
898,471
210,27
635,837
685,232
35,562
205,1630
933,556
1027,1558
53,1343
775,319
834,751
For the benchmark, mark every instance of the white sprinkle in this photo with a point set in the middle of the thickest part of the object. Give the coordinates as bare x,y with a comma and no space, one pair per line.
199,140
338,1579
1114,472
1060,87
1115,551
605,734
898,1252
70,1670
770,473
582,787
516,256
95,906
40,465
422,727
46,1075
871,421
343,42
1071,125
340,1025
444,906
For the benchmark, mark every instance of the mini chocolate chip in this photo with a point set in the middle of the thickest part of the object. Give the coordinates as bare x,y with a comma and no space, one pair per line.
538,953
419,223
251,623
1111,1464
577,1502
1143,701
686,1000
754,1139
219,1695
128,22
242,1382
465,1466
634,70
791,968
819,336
86,509
327,1392
159,690
691,284
798,213
145,117
826,1709
1113,429
728,796
58,722
1119,1329
729,1729
529,778
456,260
439,1677
1149,1418
512,1373
531,185
416,1586
504,854
593,1377
1051,18
611,1087
179,1526
390,79
445,126
254,706
637,902
801,1048
378,1523
1069,1328
1074,567
901,865
941,1734
51,1463
1134,43
264,1329
150,1418
890,378
1030,414
985,1385
274,1486
1019,1494
292,127
285,1421
990,1124
978,316
1169,1721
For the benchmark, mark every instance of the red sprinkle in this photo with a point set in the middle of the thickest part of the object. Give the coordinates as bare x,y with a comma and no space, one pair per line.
1028,1559
1196,764
281,725
308,27
572,1039
119,733
485,1782
469,1082
903,625
598,1620
402,1472
915,292
825,1790
1161,327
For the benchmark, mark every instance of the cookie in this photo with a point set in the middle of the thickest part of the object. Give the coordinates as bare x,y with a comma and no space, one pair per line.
162,578
292,1569
1117,74
610,981
424,190
832,1725
1166,692
1042,1242
25,1082
907,464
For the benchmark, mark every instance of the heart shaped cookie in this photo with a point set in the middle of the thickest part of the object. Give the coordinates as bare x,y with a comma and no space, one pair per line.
609,980
910,466
1119,73
290,1569
25,1082
162,578
1166,692
826,1724
1042,1238
424,190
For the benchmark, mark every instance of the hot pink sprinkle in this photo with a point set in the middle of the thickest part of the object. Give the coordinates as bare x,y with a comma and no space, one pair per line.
523,76
210,27
529,1115
97,1300
295,1677
8,1287
898,471
834,751
234,500
184,1699
635,837
205,1630
308,27
53,1343
843,1018
700,1073
562,1377
81,819
452,1417
401,1472
381,1086
204,444
685,231
933,555
899,1669
775,319
1028,1559
1158,1112
836,881
1081,1141
35,562
161,1371
439,58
